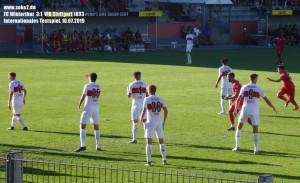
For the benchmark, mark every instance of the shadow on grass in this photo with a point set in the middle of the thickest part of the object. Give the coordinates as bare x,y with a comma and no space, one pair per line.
98,156
281,134
246,59
26,147
77,134
262,153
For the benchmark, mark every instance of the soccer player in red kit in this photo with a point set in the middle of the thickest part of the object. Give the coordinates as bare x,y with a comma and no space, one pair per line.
288,87
279,45
236,87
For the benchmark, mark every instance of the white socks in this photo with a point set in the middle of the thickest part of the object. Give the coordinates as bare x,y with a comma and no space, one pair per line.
223,105
255,137
163,151
189,58
97,137
148,152
22,121
82,137
14,119
238,138
134,131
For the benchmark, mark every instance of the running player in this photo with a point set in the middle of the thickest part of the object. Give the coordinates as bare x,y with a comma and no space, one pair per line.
288,87
17,95
90,94
138,91
152,106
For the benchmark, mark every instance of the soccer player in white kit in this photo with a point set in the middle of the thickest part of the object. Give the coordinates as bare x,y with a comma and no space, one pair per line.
250,109
17,94
152,105
90,94
138,91
189,45
226,89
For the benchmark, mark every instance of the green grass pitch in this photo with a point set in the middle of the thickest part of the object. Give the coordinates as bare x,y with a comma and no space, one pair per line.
195,136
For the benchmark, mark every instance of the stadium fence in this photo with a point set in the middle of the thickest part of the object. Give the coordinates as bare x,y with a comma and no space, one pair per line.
14,169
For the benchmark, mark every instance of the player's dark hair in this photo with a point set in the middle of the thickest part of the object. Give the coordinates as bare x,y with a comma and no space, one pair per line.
93,77
12,74
224,60
137,74
152,89
231,74
253,76
280,67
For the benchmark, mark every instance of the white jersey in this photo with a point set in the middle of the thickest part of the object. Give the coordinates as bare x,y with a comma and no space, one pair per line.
251,94
189,39
17,88
92,91
223,71
138,90
154,105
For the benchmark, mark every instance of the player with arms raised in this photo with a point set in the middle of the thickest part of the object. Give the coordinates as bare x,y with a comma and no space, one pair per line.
152,106
251,94
17,94
138,91
90,95
226,85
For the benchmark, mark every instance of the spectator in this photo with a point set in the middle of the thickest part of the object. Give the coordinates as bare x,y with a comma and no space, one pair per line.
183,31
208,32
122,5
138,37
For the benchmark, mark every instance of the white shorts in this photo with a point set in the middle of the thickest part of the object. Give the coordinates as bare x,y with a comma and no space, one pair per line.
17,108
90,114
151,127
244,118
226,91
189,48
136,113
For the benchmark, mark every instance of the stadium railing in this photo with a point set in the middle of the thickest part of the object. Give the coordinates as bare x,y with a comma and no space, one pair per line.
14,170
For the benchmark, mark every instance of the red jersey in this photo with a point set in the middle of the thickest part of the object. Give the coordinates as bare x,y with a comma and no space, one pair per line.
236,88
287,80
59,38
279,42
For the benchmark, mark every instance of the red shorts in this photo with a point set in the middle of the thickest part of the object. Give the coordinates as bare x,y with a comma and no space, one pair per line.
288,91
20,39
232,107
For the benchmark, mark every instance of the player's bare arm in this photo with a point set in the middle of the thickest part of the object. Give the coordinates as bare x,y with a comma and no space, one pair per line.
25,93
9,100
218,81
165,116
81,101
270,104
142,117
237,104
274,80
231,97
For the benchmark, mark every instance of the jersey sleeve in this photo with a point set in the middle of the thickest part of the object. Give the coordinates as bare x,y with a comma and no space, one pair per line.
262,93
220,72
145,103
84,92
129,89
242,92
163,103
10,88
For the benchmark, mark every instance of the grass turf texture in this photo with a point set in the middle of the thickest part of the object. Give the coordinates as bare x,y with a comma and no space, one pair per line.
195,136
